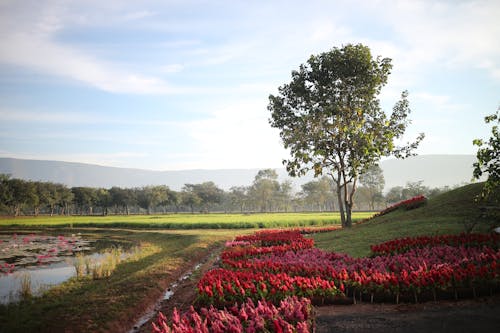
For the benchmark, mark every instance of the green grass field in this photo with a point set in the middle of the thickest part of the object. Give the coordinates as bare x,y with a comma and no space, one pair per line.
448,213
186,221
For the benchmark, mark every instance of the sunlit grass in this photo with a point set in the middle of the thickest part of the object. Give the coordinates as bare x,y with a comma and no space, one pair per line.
447,213
187,221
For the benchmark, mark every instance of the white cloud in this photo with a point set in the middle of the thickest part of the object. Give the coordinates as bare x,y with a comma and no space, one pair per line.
451,33
41,54
237,135
28,41
173,68
138,15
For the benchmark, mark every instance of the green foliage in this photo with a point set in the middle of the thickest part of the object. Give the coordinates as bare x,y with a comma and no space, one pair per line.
488,160
330,119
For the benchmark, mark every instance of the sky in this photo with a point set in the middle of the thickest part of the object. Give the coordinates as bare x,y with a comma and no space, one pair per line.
184,84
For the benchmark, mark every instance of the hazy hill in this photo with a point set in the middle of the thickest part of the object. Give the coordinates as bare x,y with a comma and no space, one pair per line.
433,170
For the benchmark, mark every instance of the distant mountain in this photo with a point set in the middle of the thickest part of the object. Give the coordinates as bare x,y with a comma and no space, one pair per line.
433,170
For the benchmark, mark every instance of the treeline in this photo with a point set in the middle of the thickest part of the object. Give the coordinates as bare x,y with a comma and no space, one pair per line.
265,194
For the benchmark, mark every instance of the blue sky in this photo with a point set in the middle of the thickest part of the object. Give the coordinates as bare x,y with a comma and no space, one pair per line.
169,85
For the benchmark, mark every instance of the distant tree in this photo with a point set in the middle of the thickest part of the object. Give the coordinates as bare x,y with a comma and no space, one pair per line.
65,197
43,194
5,192
203,195
238,197
264,189
149,197
395,194
413,189
174,199
317,193
285,194
189,197
103,200
373,180
23,193
488,160
84,199
330,119
51,196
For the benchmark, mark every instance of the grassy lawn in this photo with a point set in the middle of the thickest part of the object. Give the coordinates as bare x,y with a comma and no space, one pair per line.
186,221
444,214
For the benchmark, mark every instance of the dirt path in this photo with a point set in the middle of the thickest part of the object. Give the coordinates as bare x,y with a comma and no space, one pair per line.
475,315
183,291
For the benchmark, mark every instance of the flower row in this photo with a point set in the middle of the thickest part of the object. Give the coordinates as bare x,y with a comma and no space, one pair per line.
408,204
401,245
224,286
426,268
292,315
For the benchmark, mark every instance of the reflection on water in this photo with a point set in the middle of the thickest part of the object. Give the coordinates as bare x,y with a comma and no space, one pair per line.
37,262
41,277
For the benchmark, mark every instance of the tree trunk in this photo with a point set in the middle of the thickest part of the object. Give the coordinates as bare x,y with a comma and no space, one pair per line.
348,211
341,206
349,203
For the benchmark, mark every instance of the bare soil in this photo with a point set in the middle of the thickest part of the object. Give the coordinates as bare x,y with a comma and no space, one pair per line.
472,315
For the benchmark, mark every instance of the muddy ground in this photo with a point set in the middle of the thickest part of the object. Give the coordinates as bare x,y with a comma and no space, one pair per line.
474,315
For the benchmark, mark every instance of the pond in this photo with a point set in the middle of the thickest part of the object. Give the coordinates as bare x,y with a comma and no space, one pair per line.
30,264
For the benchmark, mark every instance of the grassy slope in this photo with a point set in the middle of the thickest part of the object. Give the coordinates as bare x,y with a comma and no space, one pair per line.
443,214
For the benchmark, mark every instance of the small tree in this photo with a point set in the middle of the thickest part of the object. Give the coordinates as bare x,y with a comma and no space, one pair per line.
488,159
330,119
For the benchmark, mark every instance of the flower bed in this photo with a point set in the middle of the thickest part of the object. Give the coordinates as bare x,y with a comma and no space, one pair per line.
408,204
402,245
292,315
410,267
276,267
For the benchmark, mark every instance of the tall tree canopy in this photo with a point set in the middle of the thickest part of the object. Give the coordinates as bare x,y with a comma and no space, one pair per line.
330,118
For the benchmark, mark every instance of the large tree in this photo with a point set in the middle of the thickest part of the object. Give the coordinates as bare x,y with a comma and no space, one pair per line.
330,119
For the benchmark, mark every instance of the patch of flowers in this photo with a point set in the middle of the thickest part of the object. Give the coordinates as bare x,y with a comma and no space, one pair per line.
273,266
408,204
402,245
409,267
292,315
